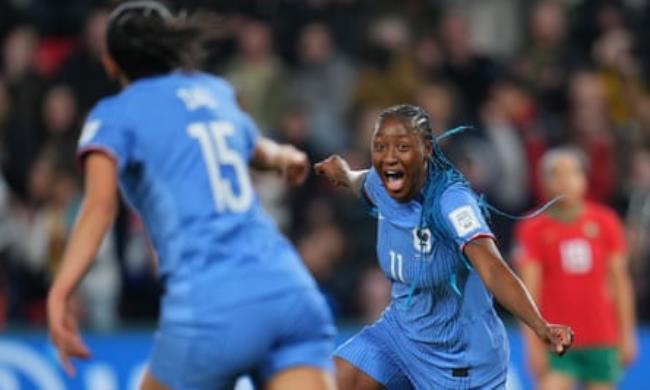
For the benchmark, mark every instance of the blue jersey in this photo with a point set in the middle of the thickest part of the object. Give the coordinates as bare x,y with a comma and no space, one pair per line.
448,318
182,147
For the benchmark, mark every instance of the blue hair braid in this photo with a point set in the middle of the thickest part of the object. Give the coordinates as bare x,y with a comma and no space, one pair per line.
441,175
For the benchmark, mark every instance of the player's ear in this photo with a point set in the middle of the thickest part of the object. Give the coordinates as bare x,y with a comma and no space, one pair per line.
111,67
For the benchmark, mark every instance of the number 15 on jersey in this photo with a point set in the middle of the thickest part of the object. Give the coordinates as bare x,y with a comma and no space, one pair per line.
212,137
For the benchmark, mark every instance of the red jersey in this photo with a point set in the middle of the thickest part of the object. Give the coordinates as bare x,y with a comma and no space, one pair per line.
574,260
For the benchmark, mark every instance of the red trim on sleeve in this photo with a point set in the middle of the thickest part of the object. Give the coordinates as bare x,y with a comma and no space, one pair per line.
476,236
85,150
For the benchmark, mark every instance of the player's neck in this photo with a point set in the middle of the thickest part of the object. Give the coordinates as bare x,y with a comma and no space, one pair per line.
566,212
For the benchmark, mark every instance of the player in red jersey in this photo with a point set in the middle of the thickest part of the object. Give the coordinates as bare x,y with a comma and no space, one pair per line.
573,259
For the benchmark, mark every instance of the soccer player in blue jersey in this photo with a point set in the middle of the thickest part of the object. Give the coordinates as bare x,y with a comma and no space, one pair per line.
237,299
440,330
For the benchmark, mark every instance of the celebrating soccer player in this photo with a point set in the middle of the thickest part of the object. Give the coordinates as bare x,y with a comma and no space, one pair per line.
440,329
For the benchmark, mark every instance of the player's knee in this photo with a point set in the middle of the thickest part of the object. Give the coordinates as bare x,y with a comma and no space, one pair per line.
556,381
301,378
151,383
349,377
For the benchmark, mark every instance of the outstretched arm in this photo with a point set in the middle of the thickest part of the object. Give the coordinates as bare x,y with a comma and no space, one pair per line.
284,158
512,294
531,275
95,218
337,171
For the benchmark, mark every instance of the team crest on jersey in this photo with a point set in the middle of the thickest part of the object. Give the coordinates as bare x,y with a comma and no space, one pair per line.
422,240
591,229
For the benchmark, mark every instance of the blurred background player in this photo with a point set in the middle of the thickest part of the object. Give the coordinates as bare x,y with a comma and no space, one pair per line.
573,259
237,298
440,329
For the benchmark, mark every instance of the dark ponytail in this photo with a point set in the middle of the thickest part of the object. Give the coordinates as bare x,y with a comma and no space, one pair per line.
145,38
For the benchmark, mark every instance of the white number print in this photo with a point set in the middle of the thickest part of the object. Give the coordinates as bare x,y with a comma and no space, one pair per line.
216,153
397,266
576,256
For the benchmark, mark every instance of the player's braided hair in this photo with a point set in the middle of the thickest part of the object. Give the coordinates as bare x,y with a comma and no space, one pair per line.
413,116
145,38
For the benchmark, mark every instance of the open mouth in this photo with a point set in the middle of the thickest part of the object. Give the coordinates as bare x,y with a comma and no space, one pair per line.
394,180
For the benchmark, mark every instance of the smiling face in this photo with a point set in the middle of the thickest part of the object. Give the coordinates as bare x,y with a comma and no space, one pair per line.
399,155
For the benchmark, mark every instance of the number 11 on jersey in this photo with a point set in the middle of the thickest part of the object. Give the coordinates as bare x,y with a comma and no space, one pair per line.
216,153
397,266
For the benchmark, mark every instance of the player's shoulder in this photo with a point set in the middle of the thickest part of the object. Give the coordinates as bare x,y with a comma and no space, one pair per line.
108,105
602,212
456,195
111,110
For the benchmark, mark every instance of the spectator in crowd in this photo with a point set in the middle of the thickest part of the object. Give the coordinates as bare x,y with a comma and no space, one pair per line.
429,58
637,220
374,294
511,129
320,250
22,138
439,99
470,72
388,75
259,75
61,124
323,83
83,71
544,62
590,128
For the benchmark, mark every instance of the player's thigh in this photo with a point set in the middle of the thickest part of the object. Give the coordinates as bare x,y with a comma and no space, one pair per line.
191,356
599,386
349,377
372,354
554,380
151,383
302,334
298,378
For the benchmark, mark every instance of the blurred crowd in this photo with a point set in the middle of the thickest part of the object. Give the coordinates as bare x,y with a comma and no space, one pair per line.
526,75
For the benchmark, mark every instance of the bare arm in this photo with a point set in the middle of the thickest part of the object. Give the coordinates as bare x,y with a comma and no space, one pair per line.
624,300
531,276
95,218
508,289
284,158
337,171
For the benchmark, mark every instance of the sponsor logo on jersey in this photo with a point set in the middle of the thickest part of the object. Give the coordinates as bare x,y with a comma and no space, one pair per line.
89,130
464,220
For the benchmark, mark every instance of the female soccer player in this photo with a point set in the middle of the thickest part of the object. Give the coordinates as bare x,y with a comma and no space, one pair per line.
237,298
573,259
440,330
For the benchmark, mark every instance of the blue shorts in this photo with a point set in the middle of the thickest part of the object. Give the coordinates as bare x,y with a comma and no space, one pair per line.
258,339
382,353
